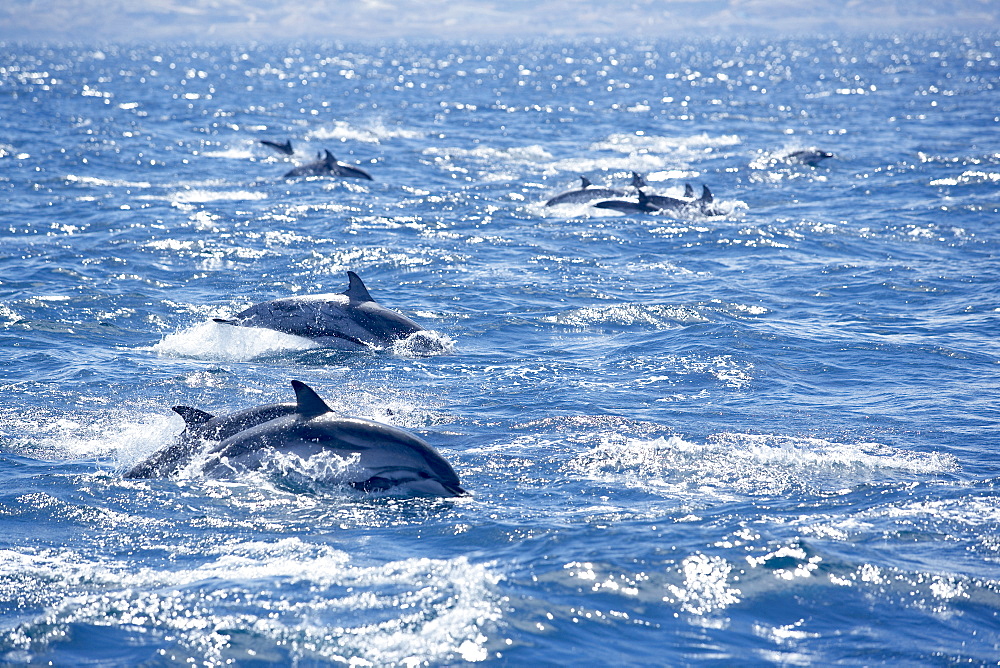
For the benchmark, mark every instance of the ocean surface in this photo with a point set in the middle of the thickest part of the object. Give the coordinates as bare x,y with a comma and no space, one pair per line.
762,437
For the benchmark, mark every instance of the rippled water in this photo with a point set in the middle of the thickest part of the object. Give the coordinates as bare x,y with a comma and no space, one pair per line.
761,437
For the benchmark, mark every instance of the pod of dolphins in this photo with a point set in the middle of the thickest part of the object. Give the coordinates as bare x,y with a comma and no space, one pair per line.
642,202
378,457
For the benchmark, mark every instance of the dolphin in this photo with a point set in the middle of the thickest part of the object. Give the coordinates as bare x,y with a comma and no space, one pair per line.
662,201
388,457
327,165
587,192
348,317
650,203
199,427
811,156
285,147
643,205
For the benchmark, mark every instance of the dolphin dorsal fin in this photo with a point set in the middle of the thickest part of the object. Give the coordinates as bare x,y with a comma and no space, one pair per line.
706,194
192,416
688,191
308,404
328,158
643,198
637,180
585,182
356,290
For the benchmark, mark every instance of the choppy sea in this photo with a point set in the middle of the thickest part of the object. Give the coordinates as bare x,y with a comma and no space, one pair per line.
763,437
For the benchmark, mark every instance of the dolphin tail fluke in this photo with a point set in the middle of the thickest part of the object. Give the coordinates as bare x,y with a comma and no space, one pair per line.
688,191
706,194
308,403
356,290
192,416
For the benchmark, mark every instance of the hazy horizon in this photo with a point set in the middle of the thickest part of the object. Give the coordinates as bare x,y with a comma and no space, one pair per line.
90,21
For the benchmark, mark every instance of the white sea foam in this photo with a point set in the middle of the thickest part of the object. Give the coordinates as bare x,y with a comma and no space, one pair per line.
730,465
425,343
658,317
233,153
213,340
970,177
440,610
200,196
123,433
373,132
630,143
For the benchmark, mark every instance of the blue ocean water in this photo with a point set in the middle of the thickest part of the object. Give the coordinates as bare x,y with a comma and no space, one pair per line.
766,437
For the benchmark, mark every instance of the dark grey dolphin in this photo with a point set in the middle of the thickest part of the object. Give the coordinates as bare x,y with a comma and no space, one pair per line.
285,147
662,201
350,317
388,457
200,427
642,205
650,203
589,192
586,193
327,165
810,156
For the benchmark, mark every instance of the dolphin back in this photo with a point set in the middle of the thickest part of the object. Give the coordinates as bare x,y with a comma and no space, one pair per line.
199,428
329,316
352,315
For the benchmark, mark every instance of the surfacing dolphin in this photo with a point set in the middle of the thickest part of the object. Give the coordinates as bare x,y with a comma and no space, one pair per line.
387,457
327,165
651,203
349,318
199,428
589,192
285,147
809,156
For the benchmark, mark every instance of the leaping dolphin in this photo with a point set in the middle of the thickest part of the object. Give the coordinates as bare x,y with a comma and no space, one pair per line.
285,147
388,457
348,317
327,165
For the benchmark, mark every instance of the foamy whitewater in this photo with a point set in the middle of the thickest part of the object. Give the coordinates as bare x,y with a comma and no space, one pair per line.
763,436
